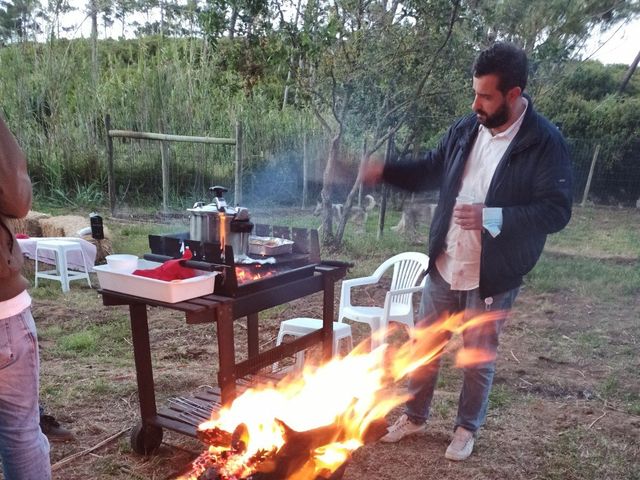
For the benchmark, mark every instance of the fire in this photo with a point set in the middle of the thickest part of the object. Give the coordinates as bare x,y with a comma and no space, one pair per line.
250,274
223,233
323,414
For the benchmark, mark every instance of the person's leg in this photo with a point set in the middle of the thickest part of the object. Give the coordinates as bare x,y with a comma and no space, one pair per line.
23,447
437,300
476,386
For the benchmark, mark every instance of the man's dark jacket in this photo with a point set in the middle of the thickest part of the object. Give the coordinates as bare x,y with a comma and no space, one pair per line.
532,185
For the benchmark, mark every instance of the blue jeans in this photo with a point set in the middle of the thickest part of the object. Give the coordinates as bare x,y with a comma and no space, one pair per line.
23,447
437,300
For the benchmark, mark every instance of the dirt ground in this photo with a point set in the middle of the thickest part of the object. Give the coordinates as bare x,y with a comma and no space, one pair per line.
565,403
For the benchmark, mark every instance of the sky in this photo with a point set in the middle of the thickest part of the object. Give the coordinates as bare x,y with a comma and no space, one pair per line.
619,44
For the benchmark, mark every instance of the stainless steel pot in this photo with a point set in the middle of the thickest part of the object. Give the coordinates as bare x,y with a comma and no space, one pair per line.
218,223
206,224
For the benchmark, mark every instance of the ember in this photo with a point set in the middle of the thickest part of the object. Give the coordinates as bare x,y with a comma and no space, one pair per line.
253,273
307,426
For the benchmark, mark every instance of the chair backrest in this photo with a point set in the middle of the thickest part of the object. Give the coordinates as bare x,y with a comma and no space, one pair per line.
407,269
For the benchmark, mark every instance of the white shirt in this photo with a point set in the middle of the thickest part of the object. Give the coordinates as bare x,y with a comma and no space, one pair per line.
459,263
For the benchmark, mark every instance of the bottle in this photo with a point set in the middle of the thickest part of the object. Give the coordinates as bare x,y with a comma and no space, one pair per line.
97,231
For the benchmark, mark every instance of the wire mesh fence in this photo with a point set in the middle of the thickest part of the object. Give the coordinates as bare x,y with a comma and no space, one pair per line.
616,171
285,184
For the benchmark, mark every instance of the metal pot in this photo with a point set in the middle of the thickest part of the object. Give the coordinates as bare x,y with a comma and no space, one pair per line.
218,223
206,224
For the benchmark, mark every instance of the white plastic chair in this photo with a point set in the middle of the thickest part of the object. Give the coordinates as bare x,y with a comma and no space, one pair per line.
398,302
300,326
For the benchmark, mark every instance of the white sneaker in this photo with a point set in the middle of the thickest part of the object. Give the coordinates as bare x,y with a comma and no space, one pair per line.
401,428
461,446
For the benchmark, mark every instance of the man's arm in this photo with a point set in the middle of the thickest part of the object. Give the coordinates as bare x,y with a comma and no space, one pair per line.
15,185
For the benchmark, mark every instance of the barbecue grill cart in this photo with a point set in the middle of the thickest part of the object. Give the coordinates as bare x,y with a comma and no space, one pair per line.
295,275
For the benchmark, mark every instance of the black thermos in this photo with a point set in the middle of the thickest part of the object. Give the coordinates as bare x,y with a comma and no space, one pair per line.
97,231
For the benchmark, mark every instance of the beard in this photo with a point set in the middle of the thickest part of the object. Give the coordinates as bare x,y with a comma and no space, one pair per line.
497,119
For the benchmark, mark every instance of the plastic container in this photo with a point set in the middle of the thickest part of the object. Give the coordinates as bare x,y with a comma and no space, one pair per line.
169,292
122,262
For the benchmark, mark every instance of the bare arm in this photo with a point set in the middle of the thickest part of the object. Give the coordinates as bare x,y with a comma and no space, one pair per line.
15,185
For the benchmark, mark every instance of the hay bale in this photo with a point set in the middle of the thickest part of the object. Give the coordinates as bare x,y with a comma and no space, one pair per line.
70,225
29,225
104,247
63,226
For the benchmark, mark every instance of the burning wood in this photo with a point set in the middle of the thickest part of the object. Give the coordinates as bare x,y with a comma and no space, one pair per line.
252,273
307,426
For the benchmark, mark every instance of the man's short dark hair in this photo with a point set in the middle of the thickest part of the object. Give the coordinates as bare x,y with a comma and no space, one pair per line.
505,60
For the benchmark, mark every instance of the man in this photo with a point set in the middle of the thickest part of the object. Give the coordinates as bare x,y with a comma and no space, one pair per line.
23,447
505,183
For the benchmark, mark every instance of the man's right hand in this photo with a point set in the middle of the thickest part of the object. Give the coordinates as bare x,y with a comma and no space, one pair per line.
371,172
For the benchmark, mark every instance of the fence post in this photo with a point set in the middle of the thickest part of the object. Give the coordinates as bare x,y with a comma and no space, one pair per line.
164,153
305,170
111,182
238,169
590,176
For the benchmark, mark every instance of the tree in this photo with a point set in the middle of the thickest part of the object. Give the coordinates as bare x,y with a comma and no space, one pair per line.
19,20
55,8
369,69
247,18
121,9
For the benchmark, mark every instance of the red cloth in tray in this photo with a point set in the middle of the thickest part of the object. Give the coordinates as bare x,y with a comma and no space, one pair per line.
170,270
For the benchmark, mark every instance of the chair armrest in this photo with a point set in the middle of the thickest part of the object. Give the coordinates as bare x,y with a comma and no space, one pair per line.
355,282
396,293
404,291
345,291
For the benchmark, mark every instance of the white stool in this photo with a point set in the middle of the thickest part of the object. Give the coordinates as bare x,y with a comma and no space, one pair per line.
300,326
61,273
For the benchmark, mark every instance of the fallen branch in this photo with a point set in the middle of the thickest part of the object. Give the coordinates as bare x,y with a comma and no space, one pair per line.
514,356
594,422
70,458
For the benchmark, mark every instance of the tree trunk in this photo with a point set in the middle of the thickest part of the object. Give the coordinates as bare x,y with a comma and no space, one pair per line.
356,192
94,45
94,62
232,22
326,194
627,76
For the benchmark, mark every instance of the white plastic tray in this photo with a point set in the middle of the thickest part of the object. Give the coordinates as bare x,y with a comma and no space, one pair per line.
170,292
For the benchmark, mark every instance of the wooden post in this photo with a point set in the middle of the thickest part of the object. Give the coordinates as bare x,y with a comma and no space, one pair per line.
385,190
305,171
591,169
111,182
238,169
164,153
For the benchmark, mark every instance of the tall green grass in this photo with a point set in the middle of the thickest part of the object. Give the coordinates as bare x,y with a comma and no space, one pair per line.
178,86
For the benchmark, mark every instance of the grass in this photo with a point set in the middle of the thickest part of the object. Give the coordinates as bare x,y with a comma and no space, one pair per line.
500,397
581,454
600,232
601,280
78,343
577,317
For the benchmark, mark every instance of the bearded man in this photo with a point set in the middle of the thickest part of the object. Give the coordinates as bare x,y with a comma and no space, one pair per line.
504,177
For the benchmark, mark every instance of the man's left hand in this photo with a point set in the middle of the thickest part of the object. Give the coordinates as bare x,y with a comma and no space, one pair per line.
468,215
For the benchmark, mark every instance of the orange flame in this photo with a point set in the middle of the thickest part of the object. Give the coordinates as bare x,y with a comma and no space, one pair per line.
244,275
223,233
347,393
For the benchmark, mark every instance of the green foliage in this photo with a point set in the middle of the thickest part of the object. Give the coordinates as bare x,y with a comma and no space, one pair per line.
379,68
